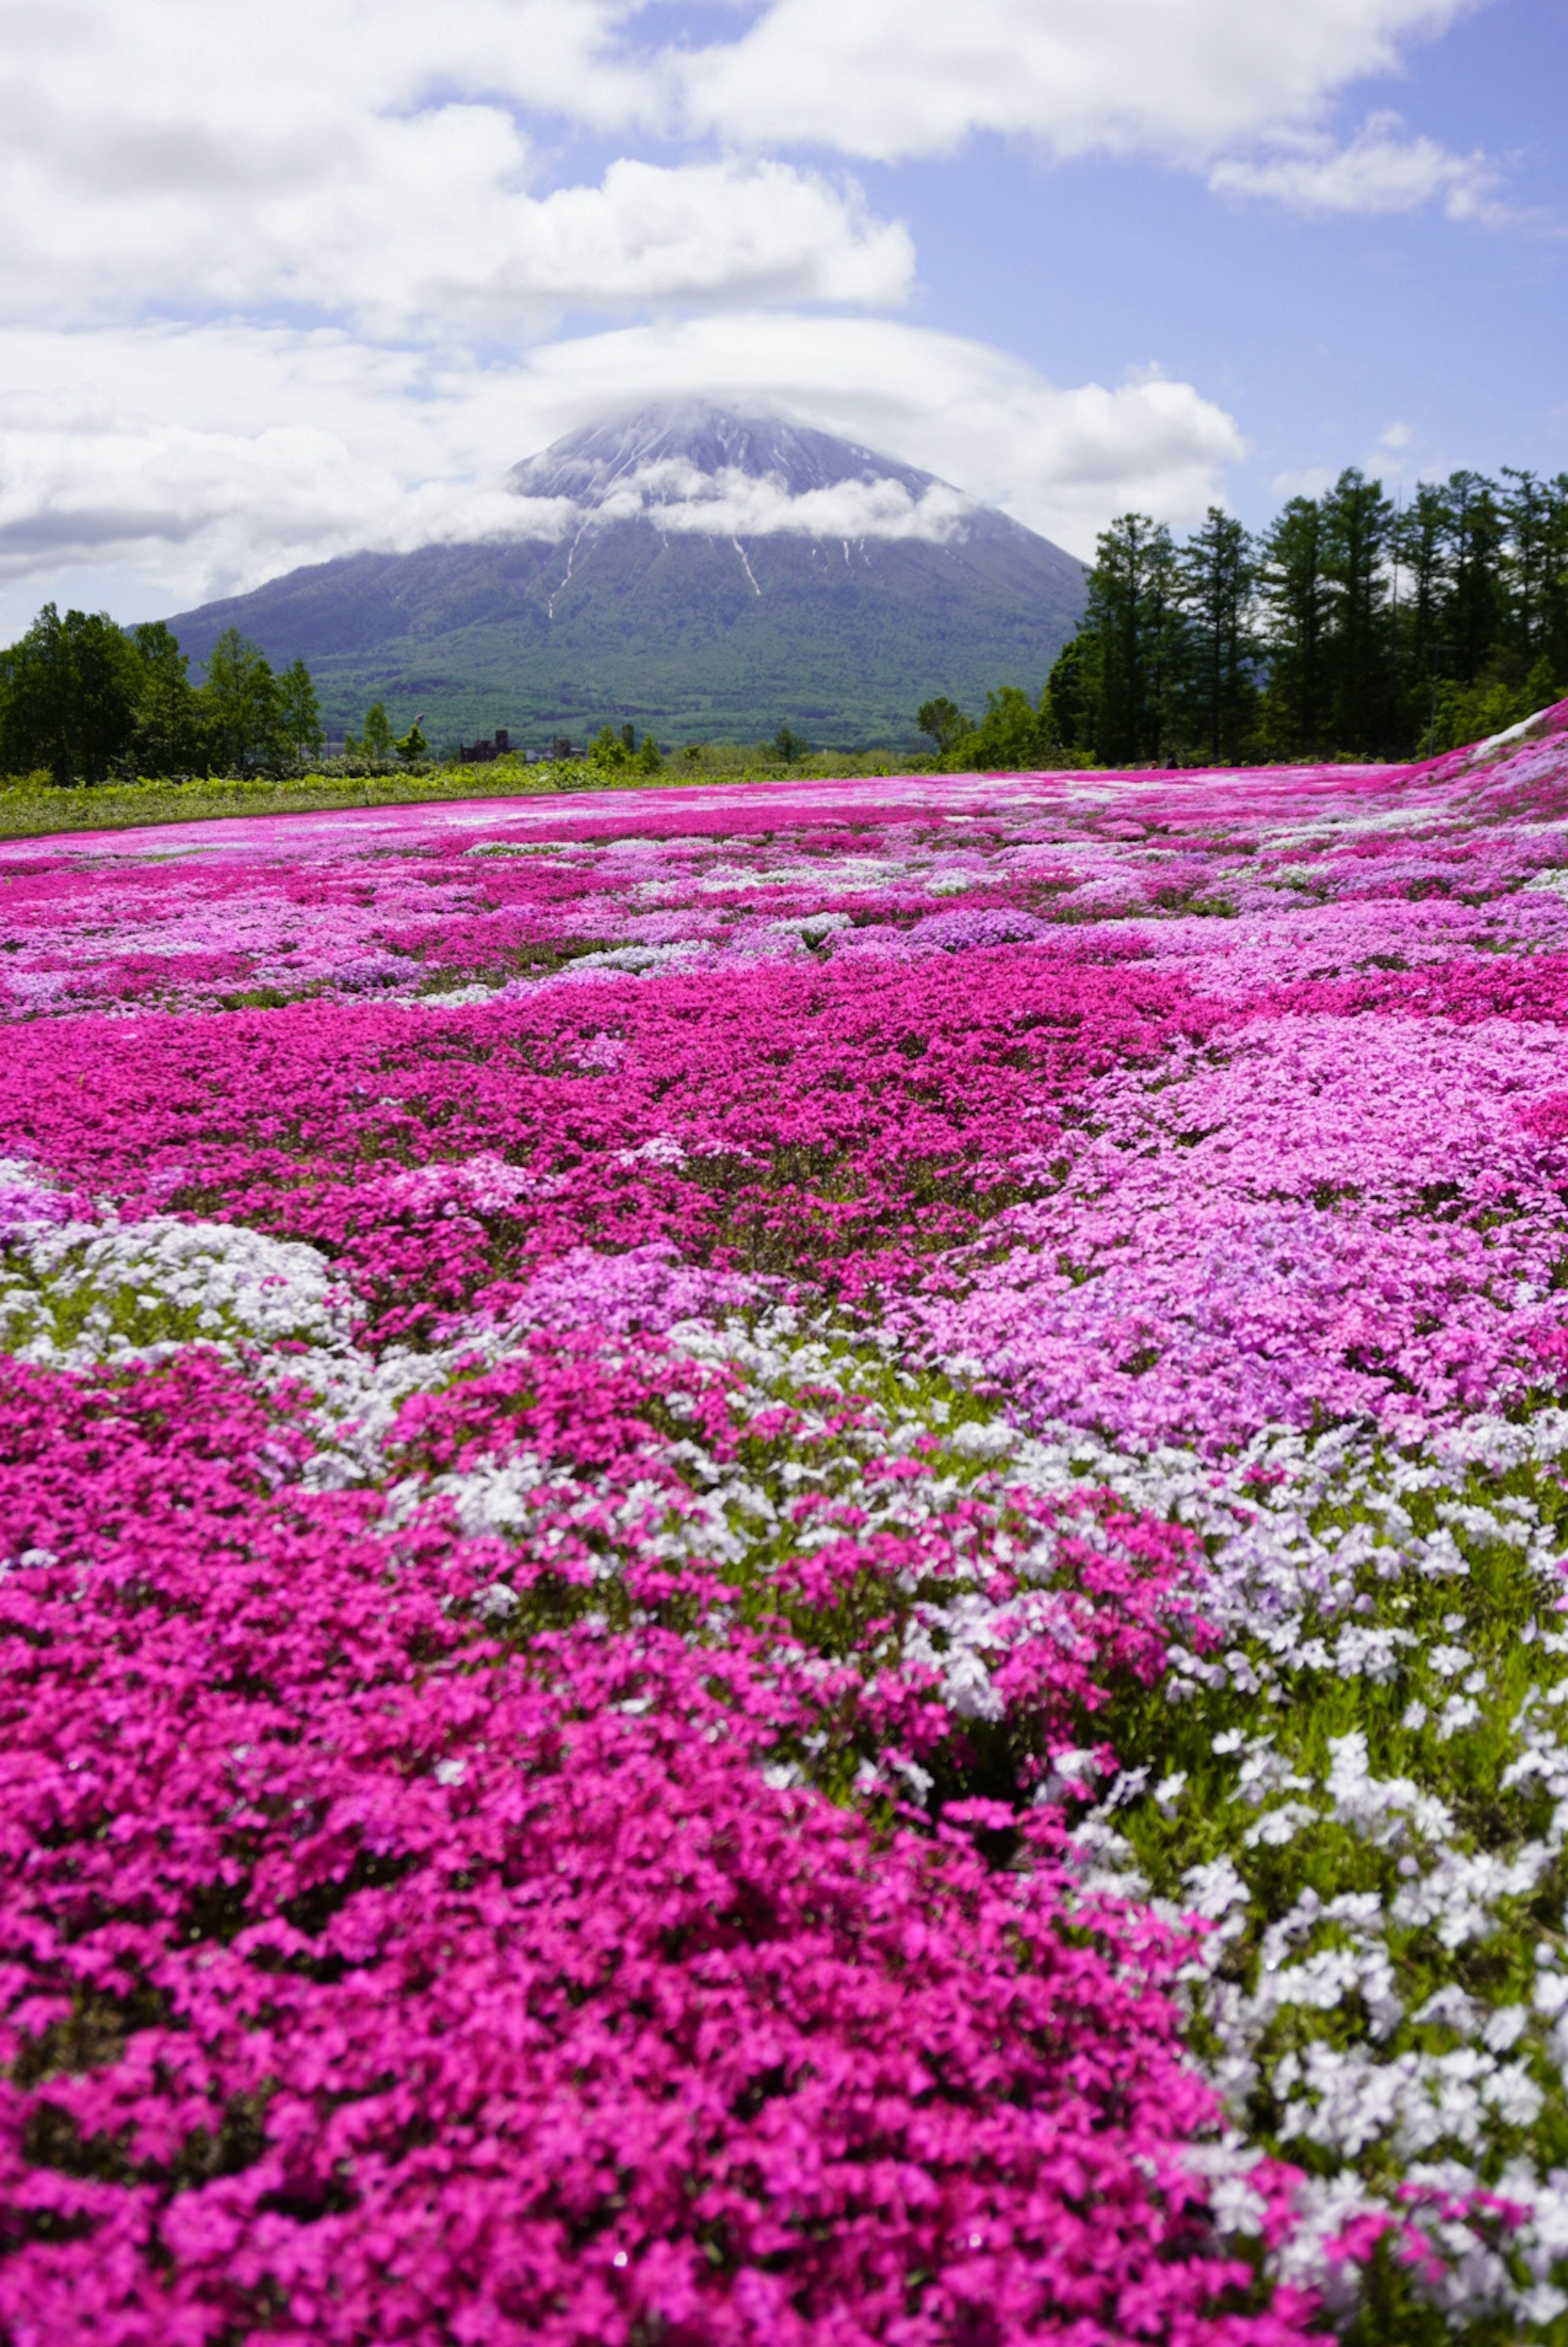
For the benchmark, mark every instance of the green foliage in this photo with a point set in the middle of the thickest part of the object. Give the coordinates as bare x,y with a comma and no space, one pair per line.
1216,584
1457,713
672,633
1133,613
1073,689
240,705
1349,628
168,736
299,713
789,745
613,753
1359,529
68,694
378,734
1013,736
945,723
1295,621
413,746
609,750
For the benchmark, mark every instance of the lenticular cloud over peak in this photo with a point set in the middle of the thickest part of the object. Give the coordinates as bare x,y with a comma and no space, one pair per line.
693,466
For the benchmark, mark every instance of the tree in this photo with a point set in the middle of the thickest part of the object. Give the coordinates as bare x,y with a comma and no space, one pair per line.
1356,539
788,743
1072,694
1422,547
944,721
1475,602
166,735
609,749
378,735
1296,601
1011,737
1527,513
300,713
68,697
239,703
1554,594
1131,613
413,746
648,757
1216,590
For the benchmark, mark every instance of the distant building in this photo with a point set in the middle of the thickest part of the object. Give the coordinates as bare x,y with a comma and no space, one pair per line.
479,753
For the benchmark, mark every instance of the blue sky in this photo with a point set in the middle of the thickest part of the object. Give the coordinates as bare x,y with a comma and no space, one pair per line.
276,284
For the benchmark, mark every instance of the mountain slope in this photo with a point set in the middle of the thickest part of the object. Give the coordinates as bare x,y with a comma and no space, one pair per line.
704,574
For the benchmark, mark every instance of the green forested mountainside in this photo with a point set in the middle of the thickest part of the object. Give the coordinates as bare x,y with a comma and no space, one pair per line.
689,636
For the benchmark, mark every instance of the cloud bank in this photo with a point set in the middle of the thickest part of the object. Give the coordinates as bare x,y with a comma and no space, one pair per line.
675,496
1182,80
200,460
285,281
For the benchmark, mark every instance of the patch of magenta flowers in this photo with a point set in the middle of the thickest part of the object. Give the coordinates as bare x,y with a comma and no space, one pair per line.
372,1978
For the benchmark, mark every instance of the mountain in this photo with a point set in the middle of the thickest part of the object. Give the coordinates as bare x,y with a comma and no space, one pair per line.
707,575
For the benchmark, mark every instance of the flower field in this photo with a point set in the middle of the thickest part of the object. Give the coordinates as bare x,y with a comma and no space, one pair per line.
788,1565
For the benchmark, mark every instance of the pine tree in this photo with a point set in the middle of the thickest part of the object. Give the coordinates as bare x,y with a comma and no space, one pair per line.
1215,588
1357,544
1296,601
1475,597
1134,617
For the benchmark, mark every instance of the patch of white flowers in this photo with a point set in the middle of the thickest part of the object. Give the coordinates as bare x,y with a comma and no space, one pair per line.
1363,1792
77,1295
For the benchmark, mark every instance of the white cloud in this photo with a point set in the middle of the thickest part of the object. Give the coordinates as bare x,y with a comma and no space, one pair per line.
1062,460
177,463
364,159
413,227
675,496
1379,170
252,253
1185,79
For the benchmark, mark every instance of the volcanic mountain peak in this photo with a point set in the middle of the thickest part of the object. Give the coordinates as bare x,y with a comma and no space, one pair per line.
702,470
660,448
702,573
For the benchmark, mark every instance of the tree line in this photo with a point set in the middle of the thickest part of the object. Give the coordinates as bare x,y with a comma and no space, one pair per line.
1353,626
87,701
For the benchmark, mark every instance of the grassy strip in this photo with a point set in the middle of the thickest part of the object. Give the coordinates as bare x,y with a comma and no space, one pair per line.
31,808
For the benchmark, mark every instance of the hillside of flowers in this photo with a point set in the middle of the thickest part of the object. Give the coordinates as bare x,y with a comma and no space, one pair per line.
788,1565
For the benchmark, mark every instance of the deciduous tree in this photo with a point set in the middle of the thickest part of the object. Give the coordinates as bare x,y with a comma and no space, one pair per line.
239,704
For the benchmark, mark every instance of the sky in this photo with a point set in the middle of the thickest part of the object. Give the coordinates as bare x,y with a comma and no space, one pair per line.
280,282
